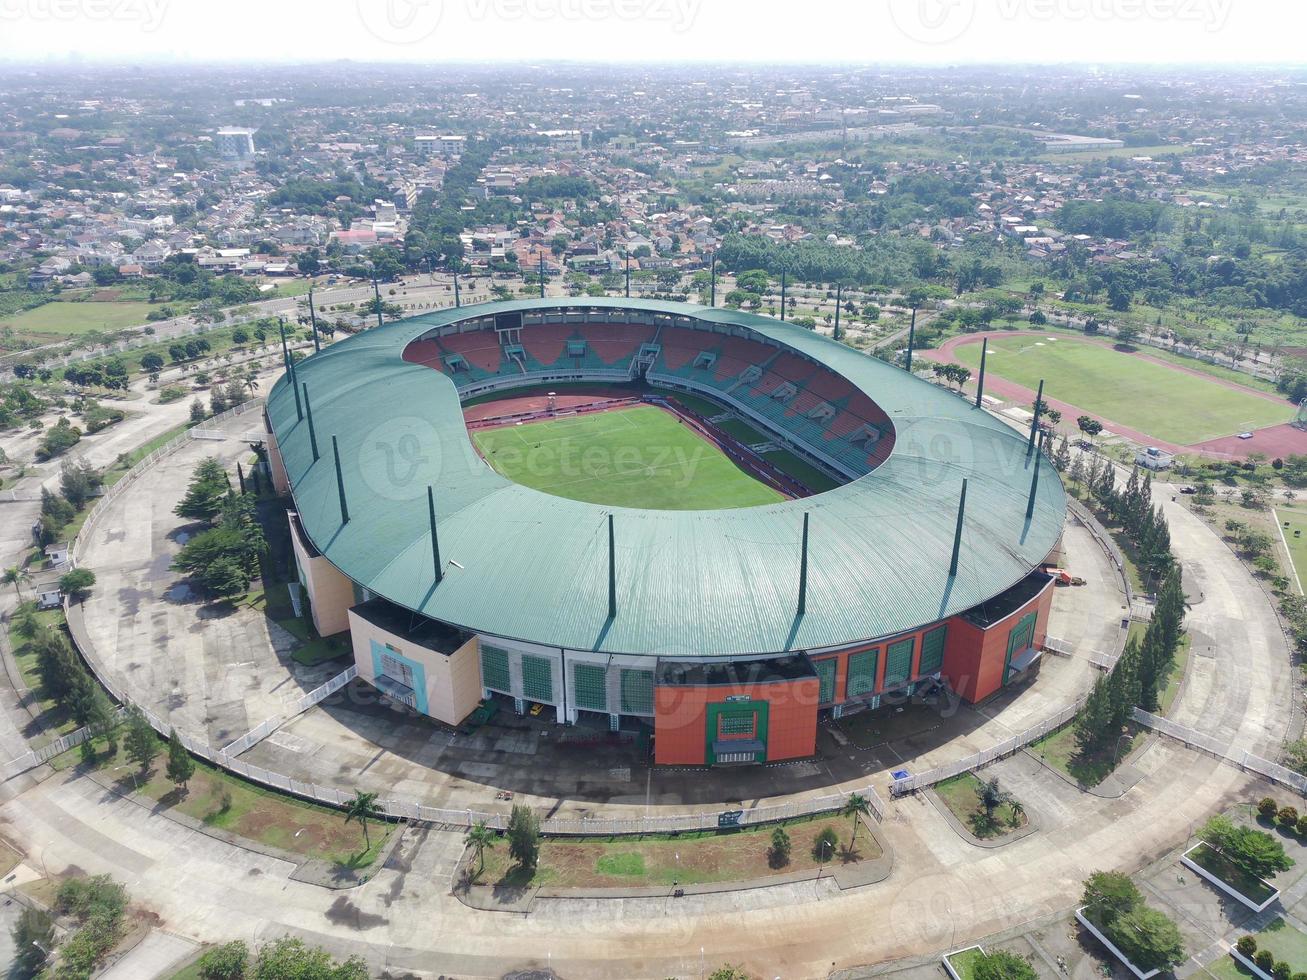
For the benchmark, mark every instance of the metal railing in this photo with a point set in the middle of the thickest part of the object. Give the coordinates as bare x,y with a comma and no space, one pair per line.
1240,758
301,704
32,759
985,757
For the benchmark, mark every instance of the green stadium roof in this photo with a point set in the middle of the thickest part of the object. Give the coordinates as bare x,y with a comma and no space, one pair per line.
531,566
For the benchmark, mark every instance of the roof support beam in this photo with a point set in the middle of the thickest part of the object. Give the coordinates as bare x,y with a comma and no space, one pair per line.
542,275
712,280
1034,423
912,340
290,370
980,384
313,320
839,300
612,570
1034,486
376,293
803,569
340,483
457,301
435,538
308,411
628,273
957,532
782,296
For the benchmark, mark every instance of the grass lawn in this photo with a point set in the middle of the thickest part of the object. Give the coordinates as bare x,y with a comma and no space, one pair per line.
633,457
1245,884
1061,751
1125,388
961,795
320,650
964,961
660,859
1293,525
223,801
114,472
1286,944
803,471
71,319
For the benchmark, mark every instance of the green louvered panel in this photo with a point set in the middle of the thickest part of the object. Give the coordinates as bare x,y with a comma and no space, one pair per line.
826,679
537,678
862,673
898,662
590,684
637,692
494,669
932,650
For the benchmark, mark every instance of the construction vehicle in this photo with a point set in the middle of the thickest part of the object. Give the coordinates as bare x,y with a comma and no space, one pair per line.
1061,577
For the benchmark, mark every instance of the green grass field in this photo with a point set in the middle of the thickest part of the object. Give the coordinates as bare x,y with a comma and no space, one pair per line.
635,457
1293,518
73,319
1126,389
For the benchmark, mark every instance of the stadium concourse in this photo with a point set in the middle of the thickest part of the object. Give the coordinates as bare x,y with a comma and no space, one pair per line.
723,633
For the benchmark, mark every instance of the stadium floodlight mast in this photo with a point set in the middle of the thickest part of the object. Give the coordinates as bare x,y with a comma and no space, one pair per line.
912,339
1034,485
1034,422
839,300
376,292
435,538
313,320
542,275
457,302
712,280
803,569
308,411
340,483
612,570
980,382
957,532
290,369
628,273
782,295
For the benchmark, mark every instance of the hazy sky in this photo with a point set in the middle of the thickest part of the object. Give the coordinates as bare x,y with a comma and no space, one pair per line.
659,30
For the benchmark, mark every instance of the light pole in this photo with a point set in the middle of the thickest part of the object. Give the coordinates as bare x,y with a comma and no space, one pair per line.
1117,751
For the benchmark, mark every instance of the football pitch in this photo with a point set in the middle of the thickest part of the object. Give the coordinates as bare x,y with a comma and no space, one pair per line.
639,457
1126,388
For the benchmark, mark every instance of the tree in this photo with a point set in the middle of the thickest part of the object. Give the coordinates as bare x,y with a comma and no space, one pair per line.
1089,426
1253,851
729,972
78,482
992,797
197,411
1003,965
292,959
205,493
140,741
780,847
33,936
181,767
152,362
481,837
77,584
1108,894
16,576
1127,334
1148,938
854,807
101,718
226,962
524,836
363,806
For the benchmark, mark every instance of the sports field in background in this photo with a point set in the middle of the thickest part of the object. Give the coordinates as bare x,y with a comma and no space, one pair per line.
1291,518
1125,388
632,457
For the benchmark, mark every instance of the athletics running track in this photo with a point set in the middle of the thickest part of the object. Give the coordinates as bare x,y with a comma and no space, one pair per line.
1272,441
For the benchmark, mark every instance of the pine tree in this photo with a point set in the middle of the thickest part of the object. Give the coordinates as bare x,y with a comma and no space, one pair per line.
1062,458
205,493
1078,469
140,741
181,767
1094,720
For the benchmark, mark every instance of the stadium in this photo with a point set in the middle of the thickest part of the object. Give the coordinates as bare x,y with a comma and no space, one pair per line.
709,526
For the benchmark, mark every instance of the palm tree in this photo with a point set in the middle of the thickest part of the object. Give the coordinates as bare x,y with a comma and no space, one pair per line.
363,805
1018,811
15,576
855,806
480,836
251,382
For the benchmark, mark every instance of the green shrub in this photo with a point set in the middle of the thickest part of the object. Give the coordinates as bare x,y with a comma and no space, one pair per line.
1247,946
226,962
1282,970
1267,808
1265,960
823,848
1288,817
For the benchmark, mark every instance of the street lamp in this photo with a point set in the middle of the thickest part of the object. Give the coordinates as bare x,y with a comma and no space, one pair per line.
1117,751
